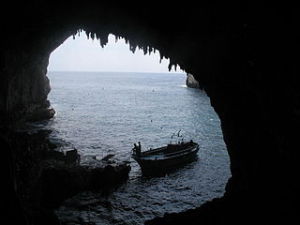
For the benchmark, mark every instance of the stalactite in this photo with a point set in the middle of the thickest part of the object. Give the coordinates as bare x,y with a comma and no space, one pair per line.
92,35
169,66
103,40
87,34
175,67
132,48
133,44
98,36
145,50
116,38
161,57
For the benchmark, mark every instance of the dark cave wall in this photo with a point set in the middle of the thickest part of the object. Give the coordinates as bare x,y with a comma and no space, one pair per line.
25,87
246,60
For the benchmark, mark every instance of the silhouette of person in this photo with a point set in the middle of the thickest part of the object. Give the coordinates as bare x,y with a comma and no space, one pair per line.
139,149
135,147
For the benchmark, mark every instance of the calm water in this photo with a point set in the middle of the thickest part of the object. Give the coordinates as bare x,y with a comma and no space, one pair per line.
105,113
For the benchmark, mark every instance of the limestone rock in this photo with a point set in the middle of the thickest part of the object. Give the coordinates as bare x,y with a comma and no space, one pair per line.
191,82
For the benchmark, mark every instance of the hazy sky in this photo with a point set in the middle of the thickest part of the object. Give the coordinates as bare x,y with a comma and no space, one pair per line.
84,54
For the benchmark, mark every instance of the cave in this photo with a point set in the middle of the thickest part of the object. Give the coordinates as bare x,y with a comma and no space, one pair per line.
108,111
245,58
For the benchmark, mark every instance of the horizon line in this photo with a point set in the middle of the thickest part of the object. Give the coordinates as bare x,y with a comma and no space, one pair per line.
87,71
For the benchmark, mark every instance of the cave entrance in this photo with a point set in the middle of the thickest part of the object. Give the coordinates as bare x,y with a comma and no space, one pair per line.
102,113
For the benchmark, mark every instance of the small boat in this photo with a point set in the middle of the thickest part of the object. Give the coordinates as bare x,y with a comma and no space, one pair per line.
161,160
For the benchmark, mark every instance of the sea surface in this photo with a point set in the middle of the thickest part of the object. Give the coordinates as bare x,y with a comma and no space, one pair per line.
103,113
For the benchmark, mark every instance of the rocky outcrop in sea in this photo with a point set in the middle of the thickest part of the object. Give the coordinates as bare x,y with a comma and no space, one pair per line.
191,82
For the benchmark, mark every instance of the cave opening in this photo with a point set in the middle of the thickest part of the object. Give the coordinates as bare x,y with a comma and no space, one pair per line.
103,108
246,58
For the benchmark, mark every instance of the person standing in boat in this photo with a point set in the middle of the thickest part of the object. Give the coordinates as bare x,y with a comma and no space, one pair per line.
134,149
137,149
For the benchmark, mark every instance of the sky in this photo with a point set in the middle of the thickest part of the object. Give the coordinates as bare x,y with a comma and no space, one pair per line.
84,54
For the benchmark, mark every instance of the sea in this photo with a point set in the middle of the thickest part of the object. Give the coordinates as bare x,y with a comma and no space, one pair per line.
102,113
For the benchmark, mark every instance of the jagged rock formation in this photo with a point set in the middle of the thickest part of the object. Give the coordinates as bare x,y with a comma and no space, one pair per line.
245,58
45,177
191,82
59,182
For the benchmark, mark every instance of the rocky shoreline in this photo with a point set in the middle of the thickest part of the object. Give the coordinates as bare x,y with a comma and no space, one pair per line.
46,177
60,182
